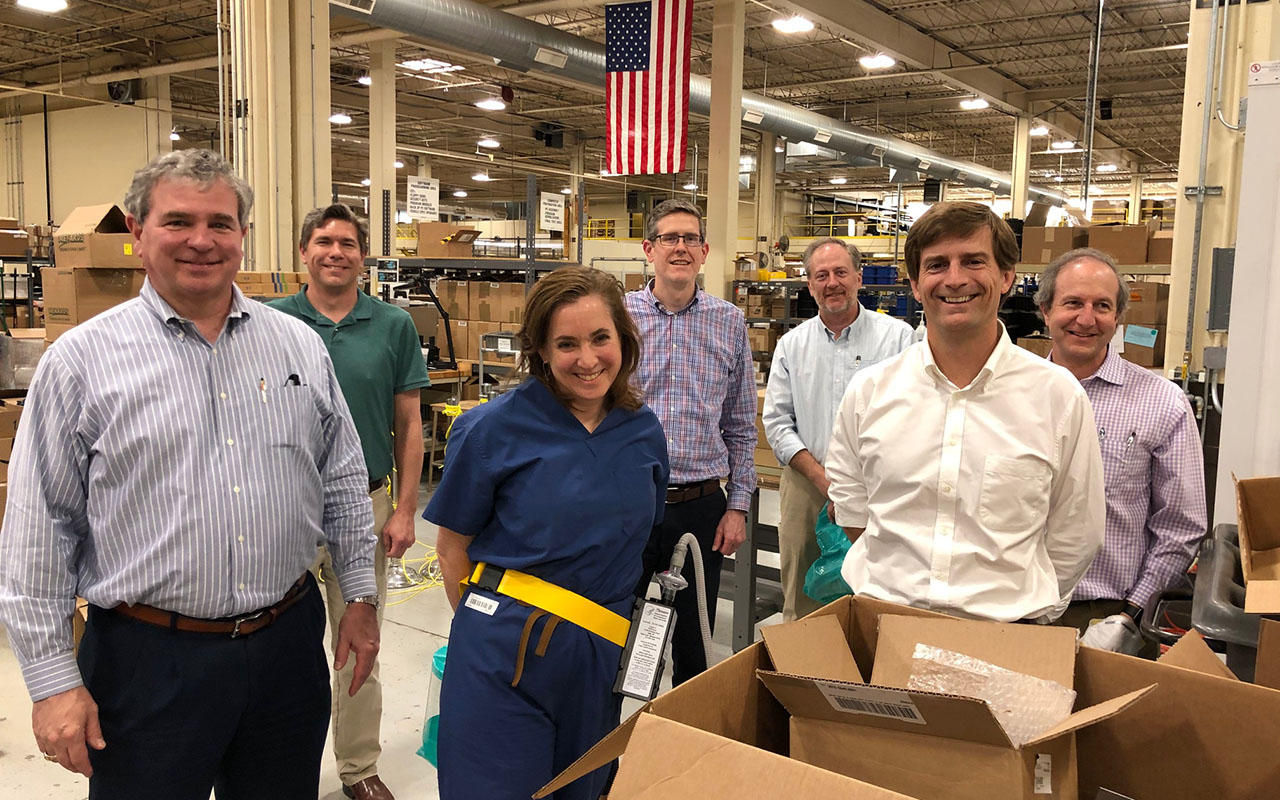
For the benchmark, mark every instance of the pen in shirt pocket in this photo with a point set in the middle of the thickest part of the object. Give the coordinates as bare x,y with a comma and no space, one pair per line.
262,389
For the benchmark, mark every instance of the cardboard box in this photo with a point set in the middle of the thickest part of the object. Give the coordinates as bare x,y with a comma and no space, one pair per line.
73,295
455,296
1042,245
479,329
1144,345
6,449
95,236
463,340
763,337
1127,244
1266,669
1040,345
1258,519
53,330
765,456
445,240
1148,303
634,281
496,302
1160,248
426,319
14,243
10,413
1193,736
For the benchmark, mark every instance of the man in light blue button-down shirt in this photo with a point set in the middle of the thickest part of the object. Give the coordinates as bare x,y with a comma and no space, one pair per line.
180,458
812,365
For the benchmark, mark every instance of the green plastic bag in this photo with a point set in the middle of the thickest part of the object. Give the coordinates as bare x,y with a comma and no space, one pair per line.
824,582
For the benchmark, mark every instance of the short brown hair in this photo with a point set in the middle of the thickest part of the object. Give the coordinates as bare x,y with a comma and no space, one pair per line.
957,221
1048,289
854,255
561,287
676,205
319,217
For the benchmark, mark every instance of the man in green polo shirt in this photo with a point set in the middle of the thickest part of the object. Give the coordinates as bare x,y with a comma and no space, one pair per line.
378,359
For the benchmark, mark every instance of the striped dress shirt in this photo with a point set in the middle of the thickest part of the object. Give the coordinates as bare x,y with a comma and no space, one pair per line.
152,467
696,374
1154,469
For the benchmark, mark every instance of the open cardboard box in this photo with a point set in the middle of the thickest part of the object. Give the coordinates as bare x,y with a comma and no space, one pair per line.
1258,518
721,734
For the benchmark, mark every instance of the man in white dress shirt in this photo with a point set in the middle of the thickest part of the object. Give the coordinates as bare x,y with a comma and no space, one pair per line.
967,471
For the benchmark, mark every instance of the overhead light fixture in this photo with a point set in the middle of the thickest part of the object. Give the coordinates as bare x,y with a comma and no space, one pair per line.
44,6
173,135
1039,130
366,182
339,118
752,117
690,186
1095,189
1064,144
489,142
839,181
398,164
604,173
796,24
430,66
491,104
1057,179
566,190
877,61
974,104
1106,168
459,193
822,136
779,148
481,176
364,80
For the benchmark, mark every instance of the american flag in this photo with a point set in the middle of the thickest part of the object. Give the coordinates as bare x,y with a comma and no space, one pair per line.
647,88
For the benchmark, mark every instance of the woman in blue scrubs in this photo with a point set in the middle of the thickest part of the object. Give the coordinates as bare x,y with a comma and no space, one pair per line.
556,485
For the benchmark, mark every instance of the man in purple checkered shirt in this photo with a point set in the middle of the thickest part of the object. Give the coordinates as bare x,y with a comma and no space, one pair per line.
696,374
1151,455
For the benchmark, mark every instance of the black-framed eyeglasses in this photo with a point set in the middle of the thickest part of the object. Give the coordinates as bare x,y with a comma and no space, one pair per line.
670,239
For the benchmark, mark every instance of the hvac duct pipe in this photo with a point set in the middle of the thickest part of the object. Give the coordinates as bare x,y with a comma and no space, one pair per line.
1091,105
518,43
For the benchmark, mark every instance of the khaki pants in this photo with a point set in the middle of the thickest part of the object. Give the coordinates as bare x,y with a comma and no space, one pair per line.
799,501
357,721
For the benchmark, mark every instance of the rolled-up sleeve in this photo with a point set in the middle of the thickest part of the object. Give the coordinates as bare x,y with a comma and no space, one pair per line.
45,525
348,511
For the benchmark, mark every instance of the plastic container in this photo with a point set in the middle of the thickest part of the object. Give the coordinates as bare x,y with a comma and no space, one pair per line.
431,720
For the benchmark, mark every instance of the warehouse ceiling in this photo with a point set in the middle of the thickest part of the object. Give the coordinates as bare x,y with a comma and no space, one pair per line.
1023,55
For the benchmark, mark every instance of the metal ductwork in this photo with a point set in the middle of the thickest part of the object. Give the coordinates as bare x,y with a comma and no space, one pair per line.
514,42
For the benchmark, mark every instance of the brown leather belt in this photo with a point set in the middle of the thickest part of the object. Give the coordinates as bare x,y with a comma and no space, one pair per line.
236,627
691,491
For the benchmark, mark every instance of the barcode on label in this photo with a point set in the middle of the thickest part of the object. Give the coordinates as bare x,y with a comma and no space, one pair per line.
1044,774
872,701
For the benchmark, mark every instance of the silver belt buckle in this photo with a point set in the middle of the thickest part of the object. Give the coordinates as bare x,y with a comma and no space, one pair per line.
235,630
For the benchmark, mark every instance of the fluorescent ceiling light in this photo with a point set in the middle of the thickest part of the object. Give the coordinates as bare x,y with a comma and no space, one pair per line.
566,190
430,66
974,104
490,104
779,148
489,142
796,24
839,181
1057,179
364,80
481,176
1106,168
398,164
339,118
366,182
46,6
604,173
878,61
1065,144
1039,130
691,186
173,136
459,193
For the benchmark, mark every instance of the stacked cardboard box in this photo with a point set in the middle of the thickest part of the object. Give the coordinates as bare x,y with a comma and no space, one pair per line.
491,301
13,238
1145,323
476,308
763,336
1127,244
634,281
444,240
765,460
268,285
97,268
40,240
1042,245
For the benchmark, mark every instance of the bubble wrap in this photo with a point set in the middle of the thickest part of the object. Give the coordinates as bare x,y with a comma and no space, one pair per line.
1025,706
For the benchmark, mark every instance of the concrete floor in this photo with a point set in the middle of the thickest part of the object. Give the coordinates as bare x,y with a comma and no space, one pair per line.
416,623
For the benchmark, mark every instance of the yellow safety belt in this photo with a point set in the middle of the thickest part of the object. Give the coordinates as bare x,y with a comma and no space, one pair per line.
555,600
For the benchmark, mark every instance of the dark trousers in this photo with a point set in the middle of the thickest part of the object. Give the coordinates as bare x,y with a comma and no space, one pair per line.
699,517
1081,613
184,713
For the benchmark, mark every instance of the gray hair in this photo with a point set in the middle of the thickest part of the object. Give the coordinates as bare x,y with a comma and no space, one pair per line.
826,240
1049,279
668,207
318,217
198,165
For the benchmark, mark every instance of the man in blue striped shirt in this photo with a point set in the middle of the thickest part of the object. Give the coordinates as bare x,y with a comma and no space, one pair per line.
696,375
179,459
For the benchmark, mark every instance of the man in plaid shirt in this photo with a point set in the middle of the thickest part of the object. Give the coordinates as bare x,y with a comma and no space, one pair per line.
696,374
1151,455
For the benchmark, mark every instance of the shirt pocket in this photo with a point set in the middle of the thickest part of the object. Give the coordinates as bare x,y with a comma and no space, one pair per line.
1125,467
1015,494
285,416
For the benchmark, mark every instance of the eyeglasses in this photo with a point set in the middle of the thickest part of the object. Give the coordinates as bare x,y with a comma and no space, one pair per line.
671,239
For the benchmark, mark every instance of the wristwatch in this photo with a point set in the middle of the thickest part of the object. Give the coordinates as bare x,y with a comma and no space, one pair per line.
368,599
